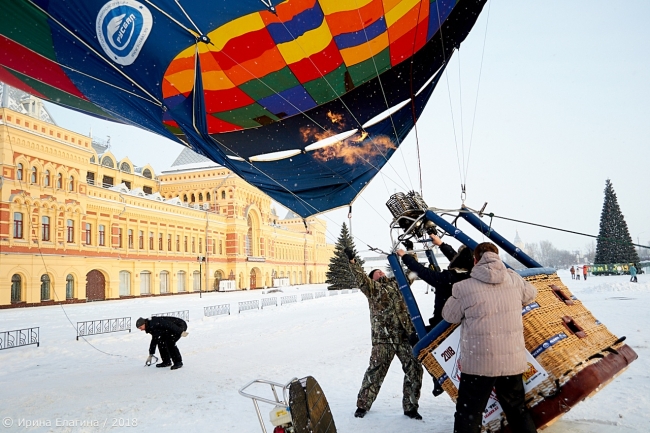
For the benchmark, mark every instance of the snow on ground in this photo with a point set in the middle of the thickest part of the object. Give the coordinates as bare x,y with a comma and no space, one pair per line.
103,380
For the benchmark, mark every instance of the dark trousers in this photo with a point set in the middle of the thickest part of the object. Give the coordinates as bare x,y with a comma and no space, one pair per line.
169,351
473,394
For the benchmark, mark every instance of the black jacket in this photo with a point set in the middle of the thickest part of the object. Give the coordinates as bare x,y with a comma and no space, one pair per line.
164,328
442,281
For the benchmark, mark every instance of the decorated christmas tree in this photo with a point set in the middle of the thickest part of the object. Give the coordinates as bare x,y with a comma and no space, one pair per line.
614,243
339,275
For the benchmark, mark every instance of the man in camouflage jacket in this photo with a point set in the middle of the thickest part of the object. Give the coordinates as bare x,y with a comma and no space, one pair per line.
391,326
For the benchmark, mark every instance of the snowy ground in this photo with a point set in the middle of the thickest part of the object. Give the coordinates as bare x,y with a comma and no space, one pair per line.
103,380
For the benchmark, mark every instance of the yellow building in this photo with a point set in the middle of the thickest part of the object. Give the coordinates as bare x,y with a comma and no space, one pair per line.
78,224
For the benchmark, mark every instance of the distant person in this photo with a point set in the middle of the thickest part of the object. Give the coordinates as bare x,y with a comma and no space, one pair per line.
390,328
488,305
573,273
632,270
165,332
577,272
585,268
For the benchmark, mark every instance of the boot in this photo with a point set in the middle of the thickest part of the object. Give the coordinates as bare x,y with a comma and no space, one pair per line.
163,364
177,366
413,414
360,413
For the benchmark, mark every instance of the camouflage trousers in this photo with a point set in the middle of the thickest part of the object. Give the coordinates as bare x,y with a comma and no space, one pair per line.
380,359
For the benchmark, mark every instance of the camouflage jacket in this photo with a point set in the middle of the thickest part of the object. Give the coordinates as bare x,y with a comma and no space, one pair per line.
389,318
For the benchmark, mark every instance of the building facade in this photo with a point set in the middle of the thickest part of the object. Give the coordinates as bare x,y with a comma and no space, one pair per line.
77,224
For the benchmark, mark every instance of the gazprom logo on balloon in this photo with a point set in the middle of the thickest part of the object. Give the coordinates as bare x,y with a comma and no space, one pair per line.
122,28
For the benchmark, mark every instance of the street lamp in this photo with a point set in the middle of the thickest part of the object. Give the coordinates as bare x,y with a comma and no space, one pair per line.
201,260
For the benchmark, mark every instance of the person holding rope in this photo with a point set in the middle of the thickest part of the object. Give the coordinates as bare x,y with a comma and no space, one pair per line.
492,347
390,327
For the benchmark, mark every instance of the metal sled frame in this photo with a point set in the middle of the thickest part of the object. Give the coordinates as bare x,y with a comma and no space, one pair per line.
276,402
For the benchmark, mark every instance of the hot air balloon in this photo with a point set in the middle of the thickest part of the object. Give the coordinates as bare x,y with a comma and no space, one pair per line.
305,99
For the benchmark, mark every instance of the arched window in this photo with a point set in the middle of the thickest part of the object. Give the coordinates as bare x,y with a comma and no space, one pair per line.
193,199
125,283
185,198
70,231
180,276
71,185
196,281
249,237
18,225
145,282
92,159
69,287
147,173
223,195
46,178
164,282
34,175
207,196
45,228
19,172
16,288
45,287
125,167
59,181
201,197
108,162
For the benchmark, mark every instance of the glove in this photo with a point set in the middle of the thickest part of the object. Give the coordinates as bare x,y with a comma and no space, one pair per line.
349,253
184,334
148,361
408,244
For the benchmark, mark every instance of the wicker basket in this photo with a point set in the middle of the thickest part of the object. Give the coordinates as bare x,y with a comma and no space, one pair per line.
580,355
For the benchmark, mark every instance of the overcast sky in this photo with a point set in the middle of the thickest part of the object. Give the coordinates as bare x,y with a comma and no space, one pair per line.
562,105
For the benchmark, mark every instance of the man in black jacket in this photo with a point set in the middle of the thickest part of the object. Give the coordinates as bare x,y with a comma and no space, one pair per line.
165,332
460,266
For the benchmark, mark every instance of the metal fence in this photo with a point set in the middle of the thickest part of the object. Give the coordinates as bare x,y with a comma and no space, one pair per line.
216,310
103,326
269,302
333,292
306,296
182,314
321,294
354,291
344,292
249,305
19,337
288,299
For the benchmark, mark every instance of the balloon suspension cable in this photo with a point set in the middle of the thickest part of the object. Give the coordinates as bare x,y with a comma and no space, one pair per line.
350,219
463,194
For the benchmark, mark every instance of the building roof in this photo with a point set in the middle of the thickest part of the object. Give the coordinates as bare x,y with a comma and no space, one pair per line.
189,157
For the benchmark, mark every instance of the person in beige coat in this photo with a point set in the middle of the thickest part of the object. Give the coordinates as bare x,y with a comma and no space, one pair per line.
493,352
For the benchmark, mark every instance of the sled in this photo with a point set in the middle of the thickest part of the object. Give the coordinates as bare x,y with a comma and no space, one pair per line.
303,407
572,355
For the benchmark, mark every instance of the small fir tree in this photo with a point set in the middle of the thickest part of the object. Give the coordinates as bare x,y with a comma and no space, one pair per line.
614,244
339,275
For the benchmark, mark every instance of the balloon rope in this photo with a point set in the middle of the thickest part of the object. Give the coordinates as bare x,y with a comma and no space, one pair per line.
135,83
194,34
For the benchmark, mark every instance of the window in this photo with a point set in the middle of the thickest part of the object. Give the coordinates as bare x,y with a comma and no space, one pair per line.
19,172
196,281
88,238
220,247
130,238
185,198
102,235
119,237
147,173
200,246
169,242
223,195
126,183
181,281
45,287
178,243
164,282
151,240
214,247
92,159
69,287
207,196
16,288
71,184
59,181
249,238
145,282
125,283
90,178
34,176
185,243
160,241
18,225
147,190
70,231
107,162
125,167
45,226
46,178
193,245
107,181
193,199
200,197
141,239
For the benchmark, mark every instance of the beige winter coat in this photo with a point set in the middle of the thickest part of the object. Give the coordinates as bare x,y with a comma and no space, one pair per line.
489,307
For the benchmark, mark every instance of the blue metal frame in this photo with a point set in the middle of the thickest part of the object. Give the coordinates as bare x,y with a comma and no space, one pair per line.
407,294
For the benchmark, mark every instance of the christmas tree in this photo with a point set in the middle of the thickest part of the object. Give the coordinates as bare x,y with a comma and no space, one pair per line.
339,275
614,241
